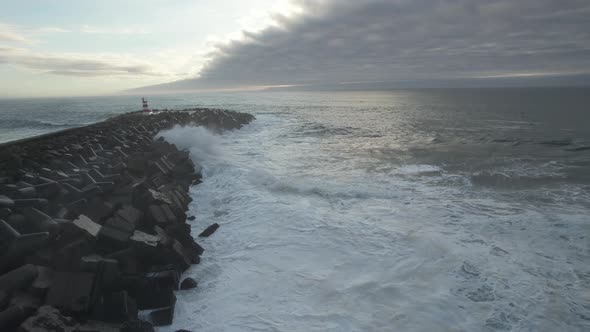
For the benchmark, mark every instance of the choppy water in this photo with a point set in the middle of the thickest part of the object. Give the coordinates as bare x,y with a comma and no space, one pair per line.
437,210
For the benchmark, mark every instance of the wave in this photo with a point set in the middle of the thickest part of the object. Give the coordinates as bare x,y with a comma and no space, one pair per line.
202,144
35,124
316,129
499,179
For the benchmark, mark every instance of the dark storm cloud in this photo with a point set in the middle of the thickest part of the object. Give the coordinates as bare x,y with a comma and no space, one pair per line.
377,40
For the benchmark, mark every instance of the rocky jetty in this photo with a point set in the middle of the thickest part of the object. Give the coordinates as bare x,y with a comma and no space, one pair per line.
93,224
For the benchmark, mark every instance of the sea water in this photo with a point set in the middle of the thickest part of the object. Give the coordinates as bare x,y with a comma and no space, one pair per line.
421,210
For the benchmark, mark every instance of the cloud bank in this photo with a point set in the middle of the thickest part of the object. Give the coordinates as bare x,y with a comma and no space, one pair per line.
74,64
336,41
16,49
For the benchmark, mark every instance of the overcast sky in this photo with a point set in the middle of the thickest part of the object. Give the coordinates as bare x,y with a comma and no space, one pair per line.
53,47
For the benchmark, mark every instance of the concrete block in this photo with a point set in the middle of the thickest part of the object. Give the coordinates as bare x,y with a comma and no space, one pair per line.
71,291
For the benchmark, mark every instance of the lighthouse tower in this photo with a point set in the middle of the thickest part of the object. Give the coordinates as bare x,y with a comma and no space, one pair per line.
144,104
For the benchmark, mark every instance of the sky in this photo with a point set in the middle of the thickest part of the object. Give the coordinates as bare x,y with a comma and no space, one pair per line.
82,47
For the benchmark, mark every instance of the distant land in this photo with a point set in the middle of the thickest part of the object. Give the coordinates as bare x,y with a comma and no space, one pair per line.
191,85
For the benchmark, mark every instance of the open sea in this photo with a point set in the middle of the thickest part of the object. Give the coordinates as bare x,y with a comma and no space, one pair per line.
409,210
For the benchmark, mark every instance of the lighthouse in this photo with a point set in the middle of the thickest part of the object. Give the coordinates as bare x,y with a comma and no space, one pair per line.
144,104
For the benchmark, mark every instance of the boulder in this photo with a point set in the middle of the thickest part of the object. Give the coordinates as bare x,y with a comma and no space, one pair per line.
209,230
188,283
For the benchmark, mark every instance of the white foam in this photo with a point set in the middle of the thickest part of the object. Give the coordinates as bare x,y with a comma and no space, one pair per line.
331,247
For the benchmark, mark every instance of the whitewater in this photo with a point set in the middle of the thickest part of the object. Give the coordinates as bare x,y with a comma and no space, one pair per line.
392,212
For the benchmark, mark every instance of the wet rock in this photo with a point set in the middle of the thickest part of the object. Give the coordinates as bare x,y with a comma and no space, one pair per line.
152,298
162,317
209,230
188,283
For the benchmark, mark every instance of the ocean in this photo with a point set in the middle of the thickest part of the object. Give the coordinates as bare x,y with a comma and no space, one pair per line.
407,210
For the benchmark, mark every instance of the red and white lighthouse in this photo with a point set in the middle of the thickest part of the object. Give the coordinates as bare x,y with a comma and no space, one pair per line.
144,104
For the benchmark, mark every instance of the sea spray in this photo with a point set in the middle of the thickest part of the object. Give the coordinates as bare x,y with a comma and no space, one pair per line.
202,144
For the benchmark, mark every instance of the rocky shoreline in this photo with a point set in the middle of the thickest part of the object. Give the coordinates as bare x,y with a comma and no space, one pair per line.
93,224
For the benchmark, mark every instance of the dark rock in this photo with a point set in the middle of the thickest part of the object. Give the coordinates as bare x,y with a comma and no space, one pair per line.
19,247
162,317
188,283
21,307
40,221
115,234
191,218
19,278
32,202
71,291
7,234
42,283
48,318
165,279
137,326
209,230
13,316
5,296
116,307
157,215
27,192
130,214
105,269
5,212
152,297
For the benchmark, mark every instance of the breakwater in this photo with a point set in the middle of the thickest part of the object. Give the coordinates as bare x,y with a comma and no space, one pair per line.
93,223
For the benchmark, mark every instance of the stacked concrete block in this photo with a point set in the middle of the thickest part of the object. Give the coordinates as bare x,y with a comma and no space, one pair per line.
93,223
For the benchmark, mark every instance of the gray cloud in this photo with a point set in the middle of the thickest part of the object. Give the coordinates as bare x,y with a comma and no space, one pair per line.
378,40
73,65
